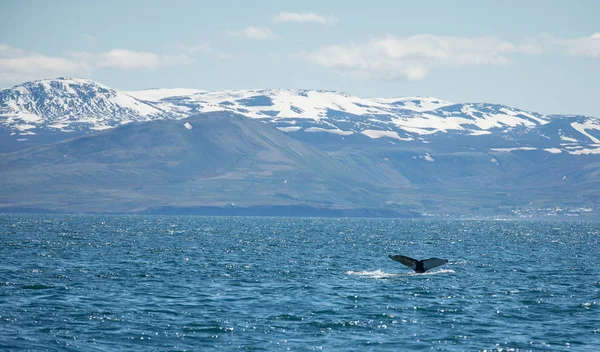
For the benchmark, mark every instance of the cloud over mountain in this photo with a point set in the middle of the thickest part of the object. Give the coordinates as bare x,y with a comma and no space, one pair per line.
391,57
304,17
254,33
18,65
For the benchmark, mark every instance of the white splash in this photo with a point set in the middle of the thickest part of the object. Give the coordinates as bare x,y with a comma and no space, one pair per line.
379,274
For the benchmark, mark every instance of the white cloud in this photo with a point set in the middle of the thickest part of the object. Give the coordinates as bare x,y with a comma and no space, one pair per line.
176,60
412,58
255,33
393,58
583,46
17,65
203,48
128,60
307,17
7,51
89,38
131,60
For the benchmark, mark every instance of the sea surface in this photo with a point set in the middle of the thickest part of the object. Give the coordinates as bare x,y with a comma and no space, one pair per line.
167,283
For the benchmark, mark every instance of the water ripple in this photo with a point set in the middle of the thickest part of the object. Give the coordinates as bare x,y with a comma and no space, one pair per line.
144,283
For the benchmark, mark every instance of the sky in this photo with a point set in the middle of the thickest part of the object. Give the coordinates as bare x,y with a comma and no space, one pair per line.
541,56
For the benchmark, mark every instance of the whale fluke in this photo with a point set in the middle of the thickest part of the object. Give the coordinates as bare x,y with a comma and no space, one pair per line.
419,266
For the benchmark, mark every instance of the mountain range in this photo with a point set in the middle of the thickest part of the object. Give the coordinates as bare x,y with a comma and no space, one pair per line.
74,145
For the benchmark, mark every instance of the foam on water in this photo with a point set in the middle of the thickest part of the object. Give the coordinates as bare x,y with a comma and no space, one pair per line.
380,274
377,274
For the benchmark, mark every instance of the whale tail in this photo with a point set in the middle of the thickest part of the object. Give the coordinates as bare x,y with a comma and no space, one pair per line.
409,262
419,266
433,263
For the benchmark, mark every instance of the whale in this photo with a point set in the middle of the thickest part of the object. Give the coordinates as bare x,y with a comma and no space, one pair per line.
419,266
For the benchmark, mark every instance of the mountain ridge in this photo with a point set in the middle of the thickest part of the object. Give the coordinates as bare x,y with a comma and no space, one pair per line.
63,105
195,151
209,160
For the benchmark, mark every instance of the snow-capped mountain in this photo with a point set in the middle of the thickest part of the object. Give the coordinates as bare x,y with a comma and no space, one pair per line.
282,103
280,148
64,105
327,111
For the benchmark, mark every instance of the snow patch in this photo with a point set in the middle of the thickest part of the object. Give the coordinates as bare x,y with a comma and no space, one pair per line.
23,128
418,104
101,127
389,134
568,139
26,117
585,151
508,150
553,150
289,129
582,127
479,133
127,102
329,130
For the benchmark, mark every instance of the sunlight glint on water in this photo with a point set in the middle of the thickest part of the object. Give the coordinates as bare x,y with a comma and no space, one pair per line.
199,283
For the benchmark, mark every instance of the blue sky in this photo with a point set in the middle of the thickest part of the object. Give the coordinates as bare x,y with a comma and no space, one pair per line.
542,56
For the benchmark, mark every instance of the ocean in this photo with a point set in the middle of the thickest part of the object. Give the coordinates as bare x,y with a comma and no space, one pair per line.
169,283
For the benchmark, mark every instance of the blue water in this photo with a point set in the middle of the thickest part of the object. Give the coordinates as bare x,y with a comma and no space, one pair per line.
129,283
